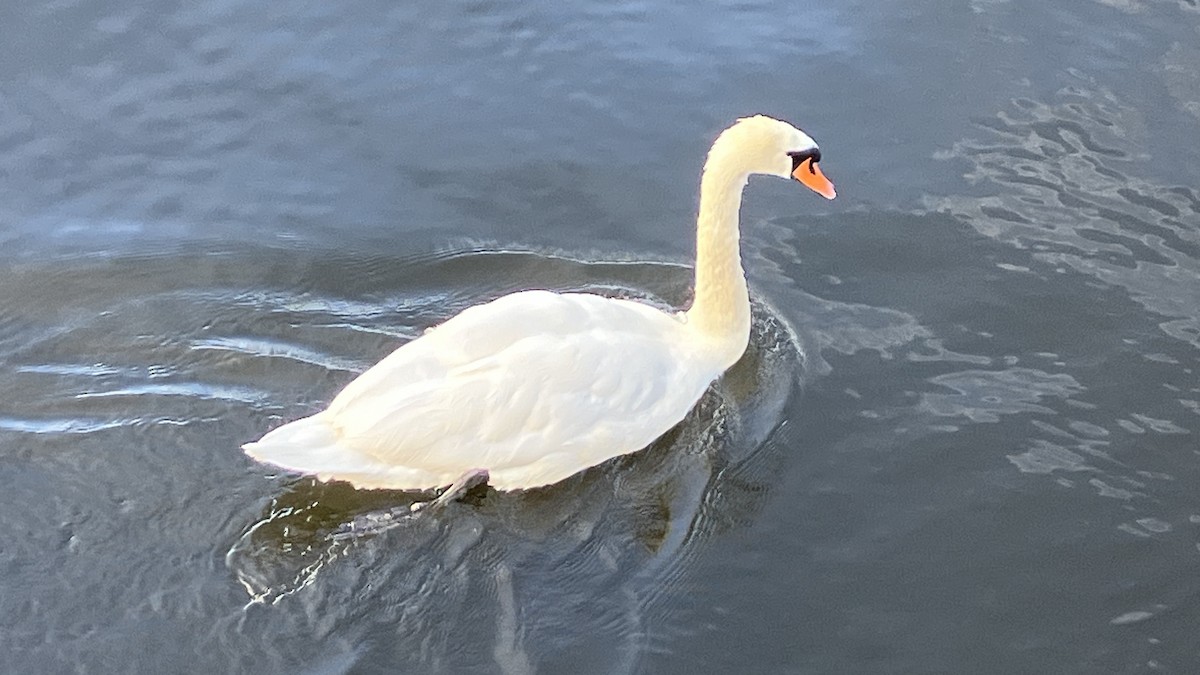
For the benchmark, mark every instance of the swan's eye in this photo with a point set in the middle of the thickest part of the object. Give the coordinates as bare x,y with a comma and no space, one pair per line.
798,157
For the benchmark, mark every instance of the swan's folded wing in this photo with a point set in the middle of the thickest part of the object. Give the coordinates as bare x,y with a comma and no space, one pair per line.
548,402
473,335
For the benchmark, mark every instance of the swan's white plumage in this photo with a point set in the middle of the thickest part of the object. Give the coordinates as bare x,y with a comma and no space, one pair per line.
525,386
536,386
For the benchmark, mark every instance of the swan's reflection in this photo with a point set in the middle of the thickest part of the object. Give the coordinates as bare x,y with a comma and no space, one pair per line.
514,578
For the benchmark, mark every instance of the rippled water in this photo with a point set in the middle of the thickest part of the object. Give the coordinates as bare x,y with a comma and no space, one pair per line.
964,438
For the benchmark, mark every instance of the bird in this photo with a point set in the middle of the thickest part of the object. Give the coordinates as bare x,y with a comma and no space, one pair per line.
533,387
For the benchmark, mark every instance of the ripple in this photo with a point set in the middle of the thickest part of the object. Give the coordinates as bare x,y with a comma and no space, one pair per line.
1181,77
58,426
1159,425
983,396
1067,189
771,251
85,370
278,349
1135,616
188,389
1047,457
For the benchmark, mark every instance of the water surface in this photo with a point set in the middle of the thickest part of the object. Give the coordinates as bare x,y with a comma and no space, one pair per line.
964,438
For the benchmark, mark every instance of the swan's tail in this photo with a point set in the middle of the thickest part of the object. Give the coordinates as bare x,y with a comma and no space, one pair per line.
311,446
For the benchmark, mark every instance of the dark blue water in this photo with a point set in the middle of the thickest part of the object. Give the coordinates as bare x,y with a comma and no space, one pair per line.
964,438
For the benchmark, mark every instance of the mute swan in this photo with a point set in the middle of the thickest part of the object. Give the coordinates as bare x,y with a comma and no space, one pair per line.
530,388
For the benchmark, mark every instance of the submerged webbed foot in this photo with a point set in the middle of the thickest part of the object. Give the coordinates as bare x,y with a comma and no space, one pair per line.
470,480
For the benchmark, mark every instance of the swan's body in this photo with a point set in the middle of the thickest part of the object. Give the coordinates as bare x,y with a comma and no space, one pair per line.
536,386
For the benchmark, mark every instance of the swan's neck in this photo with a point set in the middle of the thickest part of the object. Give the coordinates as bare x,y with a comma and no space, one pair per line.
721,310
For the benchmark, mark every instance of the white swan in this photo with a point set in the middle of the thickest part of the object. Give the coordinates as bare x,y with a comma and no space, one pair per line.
535,386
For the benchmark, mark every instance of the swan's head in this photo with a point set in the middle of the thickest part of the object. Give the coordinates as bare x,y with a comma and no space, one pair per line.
766,145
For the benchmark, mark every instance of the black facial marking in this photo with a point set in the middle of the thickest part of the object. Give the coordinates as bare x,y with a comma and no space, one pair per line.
798,157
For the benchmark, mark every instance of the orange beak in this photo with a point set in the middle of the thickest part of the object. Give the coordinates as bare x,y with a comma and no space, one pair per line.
813,179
